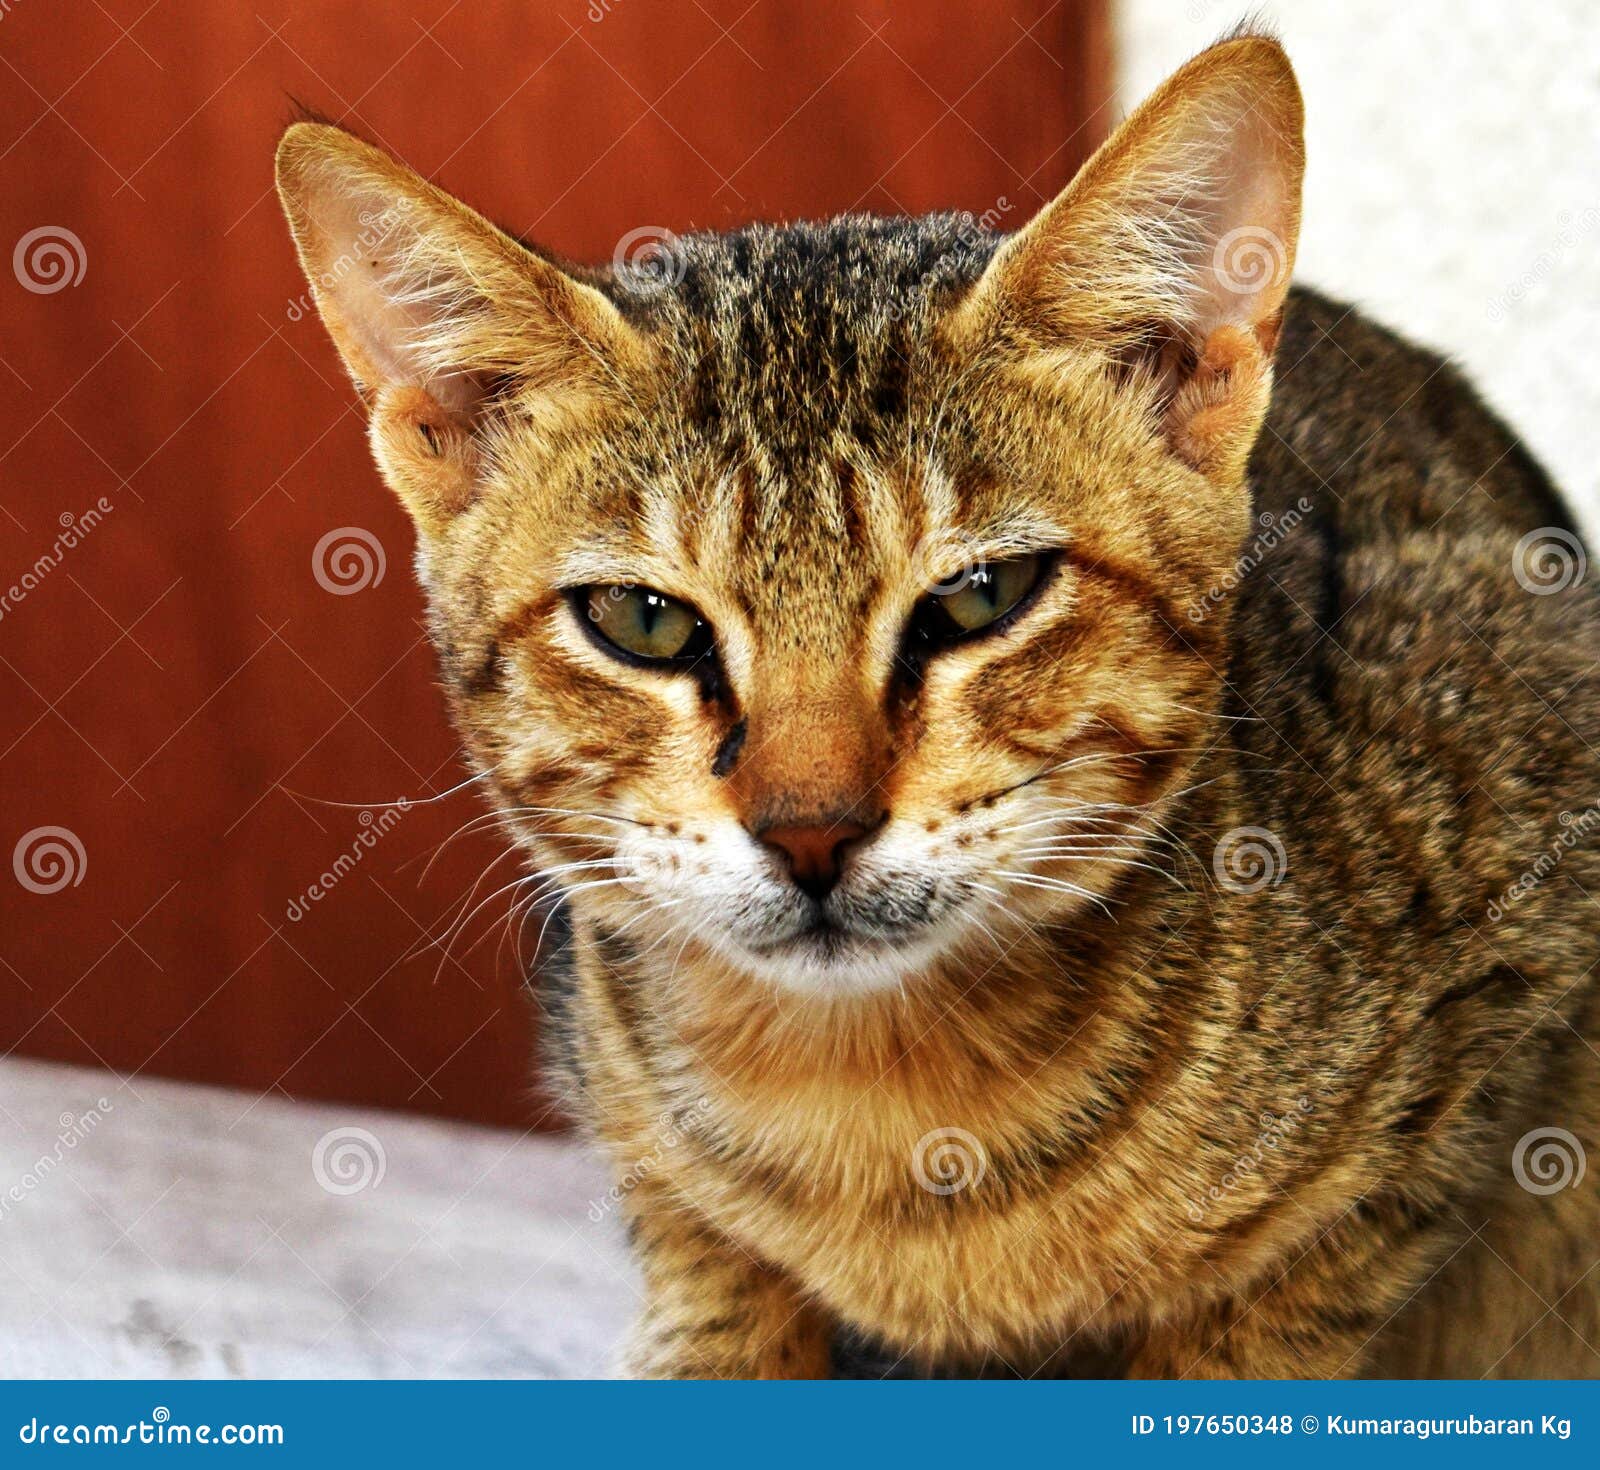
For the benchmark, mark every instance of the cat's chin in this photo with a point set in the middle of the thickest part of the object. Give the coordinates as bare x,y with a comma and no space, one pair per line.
837,963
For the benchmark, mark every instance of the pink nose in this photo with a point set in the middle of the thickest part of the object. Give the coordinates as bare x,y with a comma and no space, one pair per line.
815,854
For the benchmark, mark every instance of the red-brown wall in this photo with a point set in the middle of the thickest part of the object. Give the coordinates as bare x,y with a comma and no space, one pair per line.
178,691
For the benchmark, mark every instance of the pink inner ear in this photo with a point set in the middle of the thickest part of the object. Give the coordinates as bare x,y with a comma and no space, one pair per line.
1183,222
357,238
1247,245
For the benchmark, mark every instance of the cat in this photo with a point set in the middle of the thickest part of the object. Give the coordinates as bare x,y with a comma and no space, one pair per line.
1067,763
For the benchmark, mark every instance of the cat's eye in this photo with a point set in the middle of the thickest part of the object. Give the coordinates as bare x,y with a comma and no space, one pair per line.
643,624
978,599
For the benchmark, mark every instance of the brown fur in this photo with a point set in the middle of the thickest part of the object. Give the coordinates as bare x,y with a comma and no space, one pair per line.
1204,1130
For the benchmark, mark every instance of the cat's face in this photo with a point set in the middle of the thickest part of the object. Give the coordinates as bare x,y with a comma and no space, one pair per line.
921,607
822,597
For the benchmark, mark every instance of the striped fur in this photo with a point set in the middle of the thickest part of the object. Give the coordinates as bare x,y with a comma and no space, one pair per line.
1057,1099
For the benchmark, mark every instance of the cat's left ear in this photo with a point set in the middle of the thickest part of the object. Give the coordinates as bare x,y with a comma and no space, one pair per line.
1171,251
441,318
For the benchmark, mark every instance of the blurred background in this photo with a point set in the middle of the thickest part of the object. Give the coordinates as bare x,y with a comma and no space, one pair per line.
203,700
214,681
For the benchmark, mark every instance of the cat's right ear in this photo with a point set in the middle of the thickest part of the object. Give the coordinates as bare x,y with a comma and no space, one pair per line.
439,316
1170,253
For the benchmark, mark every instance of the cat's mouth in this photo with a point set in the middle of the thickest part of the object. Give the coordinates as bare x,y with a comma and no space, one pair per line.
825,954
821,936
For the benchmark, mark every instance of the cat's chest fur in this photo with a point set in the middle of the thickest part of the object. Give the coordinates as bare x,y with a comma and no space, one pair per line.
952,1190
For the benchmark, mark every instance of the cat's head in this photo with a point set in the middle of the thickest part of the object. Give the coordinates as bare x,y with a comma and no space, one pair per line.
823,596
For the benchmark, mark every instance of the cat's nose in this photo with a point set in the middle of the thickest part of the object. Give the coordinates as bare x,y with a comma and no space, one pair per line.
815,854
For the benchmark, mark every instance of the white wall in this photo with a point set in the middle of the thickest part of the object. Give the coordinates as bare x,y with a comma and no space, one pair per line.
1453,185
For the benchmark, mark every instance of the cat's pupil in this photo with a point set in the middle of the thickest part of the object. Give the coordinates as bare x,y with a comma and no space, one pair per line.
650,610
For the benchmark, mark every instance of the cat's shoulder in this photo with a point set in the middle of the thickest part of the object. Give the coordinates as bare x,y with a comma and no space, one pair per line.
1416,619
1393,433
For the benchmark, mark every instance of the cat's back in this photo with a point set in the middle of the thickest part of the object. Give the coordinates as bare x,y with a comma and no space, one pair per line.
1397,522
1415,679
1416,647
1390,502
1392,434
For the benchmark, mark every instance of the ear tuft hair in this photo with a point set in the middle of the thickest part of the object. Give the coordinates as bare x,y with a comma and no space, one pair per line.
1181,226
440,317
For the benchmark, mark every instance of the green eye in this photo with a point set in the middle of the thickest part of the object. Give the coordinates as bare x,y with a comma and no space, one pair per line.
978,598
644,624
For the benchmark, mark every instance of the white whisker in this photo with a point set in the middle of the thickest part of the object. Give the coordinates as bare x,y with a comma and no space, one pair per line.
1054,885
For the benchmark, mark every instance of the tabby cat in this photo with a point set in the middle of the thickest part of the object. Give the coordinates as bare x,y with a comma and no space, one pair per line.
1074,857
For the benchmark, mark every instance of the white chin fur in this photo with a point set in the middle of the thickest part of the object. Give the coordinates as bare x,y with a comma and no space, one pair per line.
842,967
